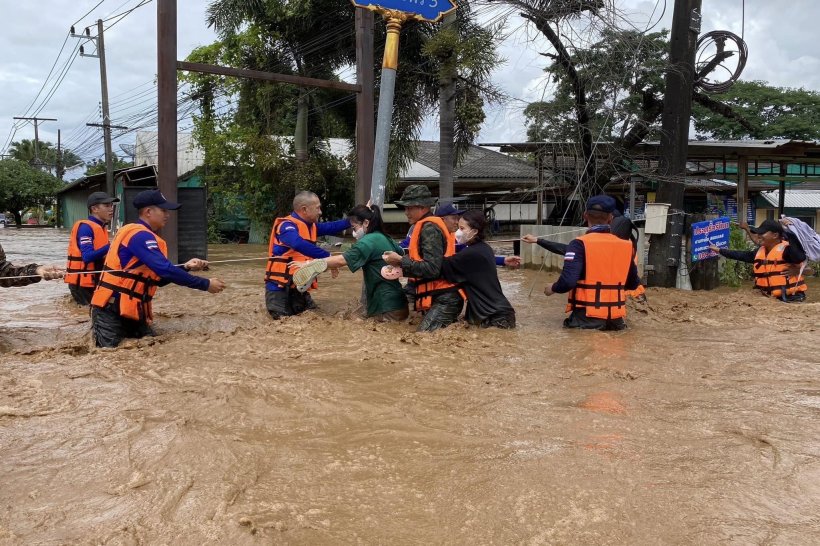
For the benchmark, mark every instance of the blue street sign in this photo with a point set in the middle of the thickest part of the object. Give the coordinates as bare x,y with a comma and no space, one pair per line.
422,10
711,232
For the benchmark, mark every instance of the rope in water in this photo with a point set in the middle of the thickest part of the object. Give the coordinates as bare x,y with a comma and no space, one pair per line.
550,235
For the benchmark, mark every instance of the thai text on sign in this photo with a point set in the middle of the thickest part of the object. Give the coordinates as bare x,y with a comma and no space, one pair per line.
710,232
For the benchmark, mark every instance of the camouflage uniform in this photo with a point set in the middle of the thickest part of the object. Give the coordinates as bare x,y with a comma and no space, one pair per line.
9,270
446,307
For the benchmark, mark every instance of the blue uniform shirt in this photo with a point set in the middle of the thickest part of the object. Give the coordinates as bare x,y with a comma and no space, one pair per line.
143,246
85,242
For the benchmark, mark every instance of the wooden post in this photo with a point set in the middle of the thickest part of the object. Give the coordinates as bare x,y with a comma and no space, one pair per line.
781,198
167,115
365,104
539,215
742,187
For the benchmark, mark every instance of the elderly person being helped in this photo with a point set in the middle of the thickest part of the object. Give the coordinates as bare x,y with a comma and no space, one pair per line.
776,263
385,298
474,269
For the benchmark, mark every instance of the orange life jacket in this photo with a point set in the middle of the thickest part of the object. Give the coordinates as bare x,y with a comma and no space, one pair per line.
601,293
136,286
277,269
75,264
426,289
770,273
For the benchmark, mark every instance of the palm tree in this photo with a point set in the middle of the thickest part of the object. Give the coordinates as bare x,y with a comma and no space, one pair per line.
43,155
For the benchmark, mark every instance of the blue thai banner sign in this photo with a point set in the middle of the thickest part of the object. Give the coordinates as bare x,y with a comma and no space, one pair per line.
424,10
711,232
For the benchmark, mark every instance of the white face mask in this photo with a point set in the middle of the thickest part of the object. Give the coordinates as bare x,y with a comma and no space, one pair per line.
463,237
359,233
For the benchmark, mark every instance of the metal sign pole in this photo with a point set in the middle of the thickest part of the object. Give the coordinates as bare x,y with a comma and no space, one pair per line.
395,13
384,117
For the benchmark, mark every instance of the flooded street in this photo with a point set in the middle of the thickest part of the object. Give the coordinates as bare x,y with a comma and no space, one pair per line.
700,424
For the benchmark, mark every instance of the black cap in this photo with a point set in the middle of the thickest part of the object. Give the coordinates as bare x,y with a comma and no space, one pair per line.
100,198
149,198
767,225
601,203
448,209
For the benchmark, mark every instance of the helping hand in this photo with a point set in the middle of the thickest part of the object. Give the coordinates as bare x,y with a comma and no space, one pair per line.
391,258
334,273
298,265
529,238
216,286
714,249
50,272
513,262
195,264
548,290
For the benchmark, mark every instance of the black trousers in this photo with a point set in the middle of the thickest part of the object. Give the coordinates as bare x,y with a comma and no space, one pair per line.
578,319
286,303
81,294
109,329
501,320
444,311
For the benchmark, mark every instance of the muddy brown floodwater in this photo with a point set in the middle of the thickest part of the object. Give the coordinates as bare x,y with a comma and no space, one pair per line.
698,425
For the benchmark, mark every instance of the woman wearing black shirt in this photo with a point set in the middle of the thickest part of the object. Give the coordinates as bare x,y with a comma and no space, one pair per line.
474,269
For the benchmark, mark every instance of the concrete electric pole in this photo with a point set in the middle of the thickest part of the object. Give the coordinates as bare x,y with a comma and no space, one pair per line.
664,252
99,42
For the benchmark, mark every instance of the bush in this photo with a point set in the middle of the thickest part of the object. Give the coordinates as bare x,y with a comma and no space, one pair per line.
733,272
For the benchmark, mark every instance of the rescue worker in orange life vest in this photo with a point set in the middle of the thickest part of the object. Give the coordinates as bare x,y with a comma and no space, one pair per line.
88,246
598,270
430,242
777,262
293,238
136,264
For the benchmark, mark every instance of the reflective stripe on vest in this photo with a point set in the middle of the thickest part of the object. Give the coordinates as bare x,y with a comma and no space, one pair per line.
75,264
136,285
770,271
607,262
427,289
277,269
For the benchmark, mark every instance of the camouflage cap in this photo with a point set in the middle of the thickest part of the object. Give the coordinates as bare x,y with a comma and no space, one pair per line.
416,195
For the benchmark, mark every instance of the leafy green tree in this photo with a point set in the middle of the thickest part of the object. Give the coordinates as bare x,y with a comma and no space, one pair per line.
23,186
24,150
772,112
623,77
465,54
241,120
97,166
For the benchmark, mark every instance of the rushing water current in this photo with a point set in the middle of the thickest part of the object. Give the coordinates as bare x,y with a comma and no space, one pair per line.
700,424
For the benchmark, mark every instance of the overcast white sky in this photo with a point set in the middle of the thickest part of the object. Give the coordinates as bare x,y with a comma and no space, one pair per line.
782,50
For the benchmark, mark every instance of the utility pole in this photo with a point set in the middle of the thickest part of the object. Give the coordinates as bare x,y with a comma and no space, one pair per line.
99,42
36,135
664,252
59,166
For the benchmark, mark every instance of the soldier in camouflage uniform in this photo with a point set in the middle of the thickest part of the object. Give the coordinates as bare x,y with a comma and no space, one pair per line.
23,272
446,305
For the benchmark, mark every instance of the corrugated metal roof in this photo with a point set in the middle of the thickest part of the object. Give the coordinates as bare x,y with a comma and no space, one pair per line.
795,199
478,163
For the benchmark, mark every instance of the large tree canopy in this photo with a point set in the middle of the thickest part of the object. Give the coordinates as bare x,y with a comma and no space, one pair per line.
23,186
772,112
